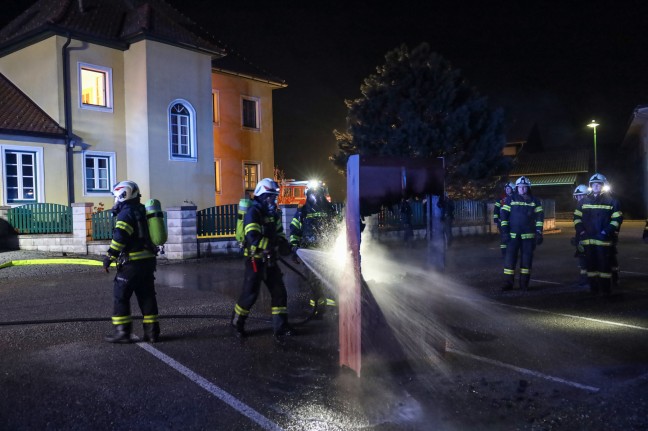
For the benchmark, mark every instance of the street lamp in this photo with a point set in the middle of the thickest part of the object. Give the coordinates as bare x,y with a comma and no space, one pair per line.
594,125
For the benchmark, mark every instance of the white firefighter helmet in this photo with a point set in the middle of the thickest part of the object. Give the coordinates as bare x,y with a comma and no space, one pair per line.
266,185
580,190
598,178
125,190
523,181
509,185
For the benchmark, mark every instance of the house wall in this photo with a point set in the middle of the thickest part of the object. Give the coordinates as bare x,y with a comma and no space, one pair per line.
233,144
35,70
170,74
98,130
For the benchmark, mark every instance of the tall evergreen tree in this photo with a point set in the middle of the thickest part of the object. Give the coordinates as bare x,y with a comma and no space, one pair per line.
417,105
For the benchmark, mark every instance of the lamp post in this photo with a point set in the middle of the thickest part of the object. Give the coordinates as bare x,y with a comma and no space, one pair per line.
594,125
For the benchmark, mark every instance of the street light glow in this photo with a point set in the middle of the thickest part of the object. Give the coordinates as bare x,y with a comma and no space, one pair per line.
594,125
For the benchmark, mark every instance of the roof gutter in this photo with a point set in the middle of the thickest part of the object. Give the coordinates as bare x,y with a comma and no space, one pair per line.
67,102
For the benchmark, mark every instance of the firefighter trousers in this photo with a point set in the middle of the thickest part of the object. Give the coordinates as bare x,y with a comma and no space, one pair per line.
272,276
524,248
135,277
599,267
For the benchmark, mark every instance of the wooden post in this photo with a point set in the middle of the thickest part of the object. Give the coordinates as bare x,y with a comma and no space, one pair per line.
349,305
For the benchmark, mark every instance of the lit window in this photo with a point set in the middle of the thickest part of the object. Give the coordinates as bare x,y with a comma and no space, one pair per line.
182,145
250,112
250,176
95,87
21,174
215,108
99,171
217,176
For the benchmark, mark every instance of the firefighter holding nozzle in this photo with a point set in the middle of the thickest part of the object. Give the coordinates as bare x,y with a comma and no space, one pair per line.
313,225
264,238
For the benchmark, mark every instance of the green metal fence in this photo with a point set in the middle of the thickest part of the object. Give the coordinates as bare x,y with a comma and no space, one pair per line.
215,222
41,218
103,224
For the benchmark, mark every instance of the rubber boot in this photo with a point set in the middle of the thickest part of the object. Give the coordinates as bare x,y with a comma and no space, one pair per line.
238,323
508,284
594,285
122,334
281,327
524,281
151,332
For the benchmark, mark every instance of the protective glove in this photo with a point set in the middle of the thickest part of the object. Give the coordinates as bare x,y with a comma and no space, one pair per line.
107,260
539,238
505,238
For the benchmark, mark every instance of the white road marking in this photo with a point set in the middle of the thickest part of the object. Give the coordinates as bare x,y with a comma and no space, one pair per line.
573,316
545,282
523,370
635,273
228,399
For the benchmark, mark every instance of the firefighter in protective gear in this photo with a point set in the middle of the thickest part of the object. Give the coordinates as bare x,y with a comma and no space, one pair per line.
522,219
134,254
597,219
579,194
264,238
315,224
508,191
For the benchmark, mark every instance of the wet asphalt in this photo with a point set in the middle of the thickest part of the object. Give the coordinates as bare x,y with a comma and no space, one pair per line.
56,372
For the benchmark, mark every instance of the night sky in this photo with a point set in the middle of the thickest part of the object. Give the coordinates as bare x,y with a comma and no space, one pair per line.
557,64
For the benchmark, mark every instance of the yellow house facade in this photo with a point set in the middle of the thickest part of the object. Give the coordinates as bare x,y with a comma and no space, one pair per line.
144,103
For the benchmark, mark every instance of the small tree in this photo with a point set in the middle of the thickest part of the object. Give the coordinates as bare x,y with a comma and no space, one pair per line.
417,105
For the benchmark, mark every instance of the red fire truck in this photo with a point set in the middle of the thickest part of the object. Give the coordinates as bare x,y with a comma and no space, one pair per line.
294,192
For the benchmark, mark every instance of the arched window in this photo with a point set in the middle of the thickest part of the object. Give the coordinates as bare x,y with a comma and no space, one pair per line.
182,134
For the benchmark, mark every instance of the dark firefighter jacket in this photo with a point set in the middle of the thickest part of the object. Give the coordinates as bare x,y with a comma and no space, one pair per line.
597,218
311,225
264,232
521,216
131,237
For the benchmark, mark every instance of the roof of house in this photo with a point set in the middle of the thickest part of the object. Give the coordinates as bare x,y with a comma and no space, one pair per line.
114,23
118,23
20,115
551,168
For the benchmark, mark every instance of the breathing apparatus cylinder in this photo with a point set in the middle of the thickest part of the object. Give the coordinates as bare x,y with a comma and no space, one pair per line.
155,221
243,206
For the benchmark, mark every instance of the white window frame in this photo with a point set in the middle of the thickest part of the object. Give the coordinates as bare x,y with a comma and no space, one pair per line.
107,72
38,172
252,182
192,152
216,108
110,156
257,105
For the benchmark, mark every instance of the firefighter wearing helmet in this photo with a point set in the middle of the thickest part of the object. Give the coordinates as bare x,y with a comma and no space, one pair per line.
522,219
264,239
597,220
134,254
508,191
313,227
579,194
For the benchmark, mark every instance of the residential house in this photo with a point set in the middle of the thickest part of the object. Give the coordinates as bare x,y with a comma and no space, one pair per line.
107,90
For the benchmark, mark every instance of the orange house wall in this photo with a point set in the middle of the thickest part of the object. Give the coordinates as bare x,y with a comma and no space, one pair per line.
233,144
